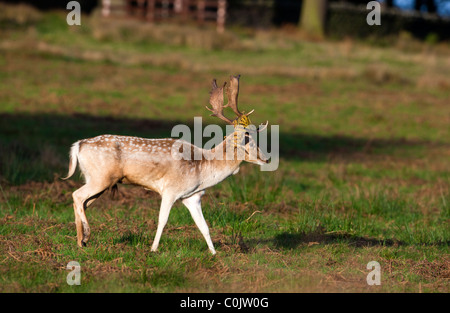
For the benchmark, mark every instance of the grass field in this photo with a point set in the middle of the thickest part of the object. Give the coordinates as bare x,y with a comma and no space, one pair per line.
364,173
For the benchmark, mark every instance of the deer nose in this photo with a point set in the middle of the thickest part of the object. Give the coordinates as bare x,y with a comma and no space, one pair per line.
264,158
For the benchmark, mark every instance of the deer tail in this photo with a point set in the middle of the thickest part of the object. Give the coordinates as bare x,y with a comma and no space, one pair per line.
73,159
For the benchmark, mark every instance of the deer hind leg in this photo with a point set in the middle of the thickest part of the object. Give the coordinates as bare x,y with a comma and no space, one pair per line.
78,225
82,198
193,203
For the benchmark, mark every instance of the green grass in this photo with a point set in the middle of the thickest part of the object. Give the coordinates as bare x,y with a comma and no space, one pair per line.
364,172
322,237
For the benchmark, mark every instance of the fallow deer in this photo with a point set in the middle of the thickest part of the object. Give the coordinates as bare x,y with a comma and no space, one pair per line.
107,160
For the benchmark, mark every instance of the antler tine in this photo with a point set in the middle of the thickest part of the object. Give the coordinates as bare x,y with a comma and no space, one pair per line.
263,127
233,93
216,101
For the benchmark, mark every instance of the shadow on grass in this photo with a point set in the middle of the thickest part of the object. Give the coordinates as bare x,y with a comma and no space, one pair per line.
36,146
292,241
287,241
132,239
318,147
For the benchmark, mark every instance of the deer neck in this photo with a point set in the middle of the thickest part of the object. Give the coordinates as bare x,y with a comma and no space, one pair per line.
215,165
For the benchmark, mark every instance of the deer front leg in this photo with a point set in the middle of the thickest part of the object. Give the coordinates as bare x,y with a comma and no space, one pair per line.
193,203
166,205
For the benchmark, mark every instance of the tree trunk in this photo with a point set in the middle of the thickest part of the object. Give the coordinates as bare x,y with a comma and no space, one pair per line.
312,19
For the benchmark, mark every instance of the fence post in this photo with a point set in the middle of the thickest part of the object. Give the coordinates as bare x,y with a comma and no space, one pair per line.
201,11
221,15
106,8
150,14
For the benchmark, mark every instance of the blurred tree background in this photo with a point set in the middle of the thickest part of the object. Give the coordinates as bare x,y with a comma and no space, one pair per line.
266,13
423,19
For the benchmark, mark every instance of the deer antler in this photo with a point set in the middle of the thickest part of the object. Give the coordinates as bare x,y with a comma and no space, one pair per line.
232,95
216,101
